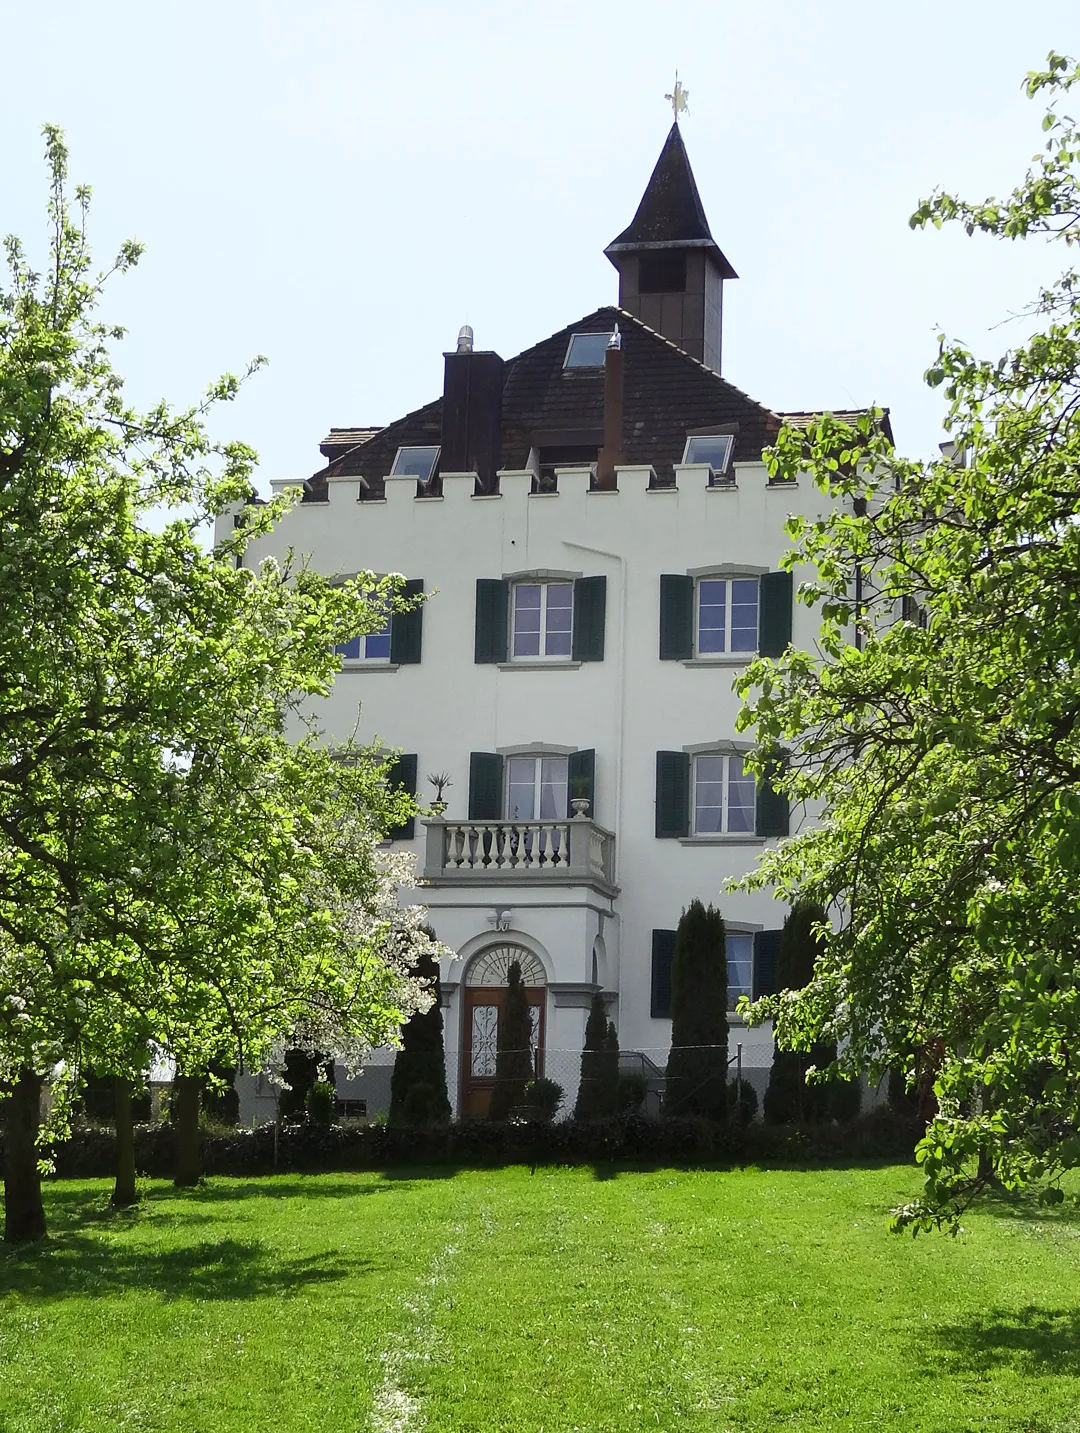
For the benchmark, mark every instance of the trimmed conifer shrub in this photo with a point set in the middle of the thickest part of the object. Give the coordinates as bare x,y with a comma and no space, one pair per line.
514,1058
420,1064
697,1064
301,1072
589,1104
789,1099
610,1085
221,1102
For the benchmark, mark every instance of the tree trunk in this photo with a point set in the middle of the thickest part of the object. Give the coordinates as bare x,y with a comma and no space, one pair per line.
124,1195
24,1213
186,1091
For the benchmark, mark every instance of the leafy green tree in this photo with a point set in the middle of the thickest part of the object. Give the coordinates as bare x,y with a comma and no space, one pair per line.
939,727
421,1061
514,1066
697,1063
170,860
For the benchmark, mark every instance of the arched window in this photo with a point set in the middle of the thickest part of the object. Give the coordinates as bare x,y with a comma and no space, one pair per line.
492,966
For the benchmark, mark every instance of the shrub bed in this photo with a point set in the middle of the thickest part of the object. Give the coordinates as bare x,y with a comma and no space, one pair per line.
630,1138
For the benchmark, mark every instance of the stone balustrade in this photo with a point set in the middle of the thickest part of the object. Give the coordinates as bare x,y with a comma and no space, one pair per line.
493,852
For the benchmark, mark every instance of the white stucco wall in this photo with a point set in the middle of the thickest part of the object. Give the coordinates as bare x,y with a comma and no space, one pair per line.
626,707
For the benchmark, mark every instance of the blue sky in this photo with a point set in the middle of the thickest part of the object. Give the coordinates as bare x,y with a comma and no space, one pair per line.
341,185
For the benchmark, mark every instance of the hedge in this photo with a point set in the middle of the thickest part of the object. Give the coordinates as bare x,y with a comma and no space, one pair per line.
631,1137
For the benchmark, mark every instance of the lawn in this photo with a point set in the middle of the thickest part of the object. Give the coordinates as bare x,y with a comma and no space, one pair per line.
539,1303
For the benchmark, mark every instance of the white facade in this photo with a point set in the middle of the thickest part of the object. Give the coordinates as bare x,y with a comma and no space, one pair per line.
589,928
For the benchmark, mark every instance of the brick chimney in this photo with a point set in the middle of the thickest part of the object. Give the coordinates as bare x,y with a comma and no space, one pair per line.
472,413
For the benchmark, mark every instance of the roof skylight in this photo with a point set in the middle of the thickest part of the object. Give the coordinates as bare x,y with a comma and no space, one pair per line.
713,449
586,350
415,462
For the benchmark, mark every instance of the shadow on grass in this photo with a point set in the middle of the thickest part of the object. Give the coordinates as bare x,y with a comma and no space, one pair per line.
1024,1207
84,1264
1032,1340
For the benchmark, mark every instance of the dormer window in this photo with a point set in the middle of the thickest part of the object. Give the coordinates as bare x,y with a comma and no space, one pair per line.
418,463
714,450
586,350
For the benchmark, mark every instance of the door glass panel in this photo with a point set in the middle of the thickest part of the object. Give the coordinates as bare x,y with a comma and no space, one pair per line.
485,1040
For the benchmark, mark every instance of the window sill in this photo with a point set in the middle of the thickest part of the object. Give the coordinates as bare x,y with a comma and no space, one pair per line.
557,664
773,487
352,665
740,661
741,838
663,488
721,487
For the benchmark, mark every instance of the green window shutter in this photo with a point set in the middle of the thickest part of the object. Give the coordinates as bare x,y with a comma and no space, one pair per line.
406,628
663,952
581,773
772,808
774,613
672,793
492,603
676,617
590,611
485,786
766,946
402,775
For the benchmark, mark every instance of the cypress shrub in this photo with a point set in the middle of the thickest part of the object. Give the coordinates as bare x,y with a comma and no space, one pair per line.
589,1104
301,1072
221,1102
697,1064
418,1083
610,1086
789,1099
513,1060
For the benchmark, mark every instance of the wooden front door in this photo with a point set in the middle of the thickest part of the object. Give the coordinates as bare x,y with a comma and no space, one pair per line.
485,1007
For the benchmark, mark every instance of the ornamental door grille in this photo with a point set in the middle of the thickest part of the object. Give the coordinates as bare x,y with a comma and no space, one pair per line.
485,1008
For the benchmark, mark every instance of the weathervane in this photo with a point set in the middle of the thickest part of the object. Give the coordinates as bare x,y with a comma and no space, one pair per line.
678,99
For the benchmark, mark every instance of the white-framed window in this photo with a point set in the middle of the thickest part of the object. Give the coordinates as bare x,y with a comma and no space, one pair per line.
542,620
723,796
586,350
713,449
416,463
372,647
726,620
536,788
740,966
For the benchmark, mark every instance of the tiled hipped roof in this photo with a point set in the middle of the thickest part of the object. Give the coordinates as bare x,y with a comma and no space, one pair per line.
666,394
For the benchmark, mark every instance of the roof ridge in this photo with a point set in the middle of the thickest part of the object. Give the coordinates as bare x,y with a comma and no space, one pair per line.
695,361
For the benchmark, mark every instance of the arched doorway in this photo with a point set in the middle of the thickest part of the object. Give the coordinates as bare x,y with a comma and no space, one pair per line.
485,1005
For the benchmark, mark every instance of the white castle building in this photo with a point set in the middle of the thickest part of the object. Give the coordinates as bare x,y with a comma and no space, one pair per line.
600,541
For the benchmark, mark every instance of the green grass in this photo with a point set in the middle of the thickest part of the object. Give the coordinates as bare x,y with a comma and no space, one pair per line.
568,1299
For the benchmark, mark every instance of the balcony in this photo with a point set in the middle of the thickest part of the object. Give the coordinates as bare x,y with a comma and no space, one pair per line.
566,853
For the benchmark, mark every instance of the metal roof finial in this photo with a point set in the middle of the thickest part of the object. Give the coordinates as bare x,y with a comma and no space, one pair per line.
679,99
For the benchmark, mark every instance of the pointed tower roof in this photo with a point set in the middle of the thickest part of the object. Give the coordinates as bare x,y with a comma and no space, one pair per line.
671,214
